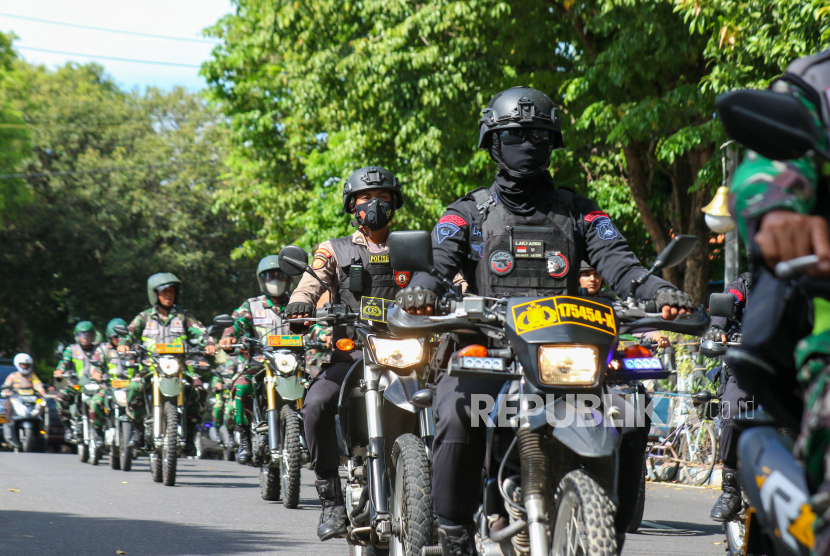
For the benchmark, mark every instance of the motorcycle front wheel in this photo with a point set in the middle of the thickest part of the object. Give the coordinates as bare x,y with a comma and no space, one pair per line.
94,452
411,497
156,466
292,454
227,443
735,531
29,439
578,497
83,452
125,453
170,451
269,482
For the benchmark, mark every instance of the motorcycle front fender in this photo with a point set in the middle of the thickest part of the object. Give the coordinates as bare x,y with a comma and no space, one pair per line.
584,431
399,389
170,387
289,388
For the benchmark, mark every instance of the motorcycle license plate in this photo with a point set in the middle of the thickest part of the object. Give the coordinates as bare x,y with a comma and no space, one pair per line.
285,341
119,383
169,348
2,419
26,391
643,364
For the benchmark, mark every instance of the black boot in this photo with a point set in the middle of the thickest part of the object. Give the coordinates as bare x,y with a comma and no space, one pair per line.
455,540
729,503
333,519
11,436
243,454
67,434
190,439
137,437
98,437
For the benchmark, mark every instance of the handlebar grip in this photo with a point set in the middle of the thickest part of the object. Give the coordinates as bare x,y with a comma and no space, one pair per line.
788,269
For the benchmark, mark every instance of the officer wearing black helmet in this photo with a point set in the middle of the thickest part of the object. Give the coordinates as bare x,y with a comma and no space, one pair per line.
358,268
520,237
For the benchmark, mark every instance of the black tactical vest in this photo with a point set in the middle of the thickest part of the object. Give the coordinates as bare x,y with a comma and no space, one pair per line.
528,256
367,284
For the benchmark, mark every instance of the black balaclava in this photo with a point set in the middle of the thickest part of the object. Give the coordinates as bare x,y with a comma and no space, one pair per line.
522,182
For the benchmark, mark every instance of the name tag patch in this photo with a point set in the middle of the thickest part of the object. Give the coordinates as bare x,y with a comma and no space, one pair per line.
528,249
378,259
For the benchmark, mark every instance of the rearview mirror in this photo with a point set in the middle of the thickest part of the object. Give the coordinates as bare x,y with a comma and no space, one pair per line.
775,125
411,251
215,330
225,321
722,305
121,330
293,260
677,250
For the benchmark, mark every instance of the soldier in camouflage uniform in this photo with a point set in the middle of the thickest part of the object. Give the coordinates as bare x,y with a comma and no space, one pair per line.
77,360
257,317
165,322
220,386
778,209
315,358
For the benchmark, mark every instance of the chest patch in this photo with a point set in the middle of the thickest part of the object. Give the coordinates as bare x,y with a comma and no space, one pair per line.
557,263
378,259
528,249
151,328
401,278
177,326
261,317
501,263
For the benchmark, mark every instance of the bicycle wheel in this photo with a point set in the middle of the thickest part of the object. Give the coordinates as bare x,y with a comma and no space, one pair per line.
662,460
700,449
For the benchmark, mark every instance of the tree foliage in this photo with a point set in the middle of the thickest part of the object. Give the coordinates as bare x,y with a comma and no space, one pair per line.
122,185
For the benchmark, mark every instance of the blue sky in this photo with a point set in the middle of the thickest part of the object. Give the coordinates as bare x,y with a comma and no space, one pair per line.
175,18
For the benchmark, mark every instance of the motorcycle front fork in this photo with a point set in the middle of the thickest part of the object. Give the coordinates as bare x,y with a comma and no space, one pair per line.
157,411
378,479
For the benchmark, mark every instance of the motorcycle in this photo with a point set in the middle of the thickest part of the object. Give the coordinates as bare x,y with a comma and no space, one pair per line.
170,388
563,430
222,434
89,450
779,519
119,427
277,441
27,422
385,422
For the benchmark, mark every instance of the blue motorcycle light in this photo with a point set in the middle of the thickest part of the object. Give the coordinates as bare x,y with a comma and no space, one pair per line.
643,364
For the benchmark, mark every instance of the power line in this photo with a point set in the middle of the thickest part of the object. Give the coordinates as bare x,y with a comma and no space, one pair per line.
110,57
101,170
79,26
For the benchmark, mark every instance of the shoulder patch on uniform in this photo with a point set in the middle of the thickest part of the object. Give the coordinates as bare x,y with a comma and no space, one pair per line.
453,219
594,215
318,262
445,230
323,252
737,293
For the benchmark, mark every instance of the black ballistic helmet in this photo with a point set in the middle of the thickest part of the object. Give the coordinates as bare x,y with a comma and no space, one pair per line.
371,177
520,108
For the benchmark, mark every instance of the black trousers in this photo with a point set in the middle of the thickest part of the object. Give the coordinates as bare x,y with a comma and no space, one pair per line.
733,402
319,412
458,448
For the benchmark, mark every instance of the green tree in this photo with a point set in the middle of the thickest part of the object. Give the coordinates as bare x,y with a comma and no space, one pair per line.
123,186
13,136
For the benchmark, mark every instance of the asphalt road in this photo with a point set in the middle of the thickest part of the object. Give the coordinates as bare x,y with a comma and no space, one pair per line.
51,504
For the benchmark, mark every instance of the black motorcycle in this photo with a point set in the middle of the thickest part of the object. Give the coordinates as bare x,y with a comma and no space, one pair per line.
386,425
552,483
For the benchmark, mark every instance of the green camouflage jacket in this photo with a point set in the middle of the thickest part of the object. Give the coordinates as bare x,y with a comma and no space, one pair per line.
78,360
150,327
761,185
246,324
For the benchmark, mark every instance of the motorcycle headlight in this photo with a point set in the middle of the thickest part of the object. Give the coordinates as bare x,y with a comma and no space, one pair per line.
397,353
120,397
285,362
169,367
568,364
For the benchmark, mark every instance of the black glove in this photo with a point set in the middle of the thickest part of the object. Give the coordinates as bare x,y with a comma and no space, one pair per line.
715,333
415,298
673,298
298,310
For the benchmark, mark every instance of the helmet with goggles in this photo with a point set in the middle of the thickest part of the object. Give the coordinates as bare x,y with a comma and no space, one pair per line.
520,114
273,282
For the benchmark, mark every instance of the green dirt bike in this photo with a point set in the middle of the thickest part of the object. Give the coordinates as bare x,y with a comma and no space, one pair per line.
169,392
278,447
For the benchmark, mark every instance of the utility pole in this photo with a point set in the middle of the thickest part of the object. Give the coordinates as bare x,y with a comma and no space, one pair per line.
731,255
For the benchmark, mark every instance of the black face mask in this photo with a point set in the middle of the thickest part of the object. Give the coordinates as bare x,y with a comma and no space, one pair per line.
375,214
525,159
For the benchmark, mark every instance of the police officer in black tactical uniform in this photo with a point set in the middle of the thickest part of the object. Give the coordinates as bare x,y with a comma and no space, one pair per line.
733,401
357,267
520,237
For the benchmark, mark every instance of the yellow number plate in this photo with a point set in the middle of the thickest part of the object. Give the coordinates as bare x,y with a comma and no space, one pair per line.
26,392
285,341
2,419
169,348
554,311
119,383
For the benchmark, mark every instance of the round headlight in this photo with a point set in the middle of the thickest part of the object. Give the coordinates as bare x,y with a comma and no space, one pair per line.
285,362
121,397
169,366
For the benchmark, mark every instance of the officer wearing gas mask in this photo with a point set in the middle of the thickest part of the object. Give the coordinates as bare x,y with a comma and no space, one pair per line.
520,237
359,269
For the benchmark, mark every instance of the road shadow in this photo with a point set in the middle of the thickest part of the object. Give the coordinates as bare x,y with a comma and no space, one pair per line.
679,529
46,533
